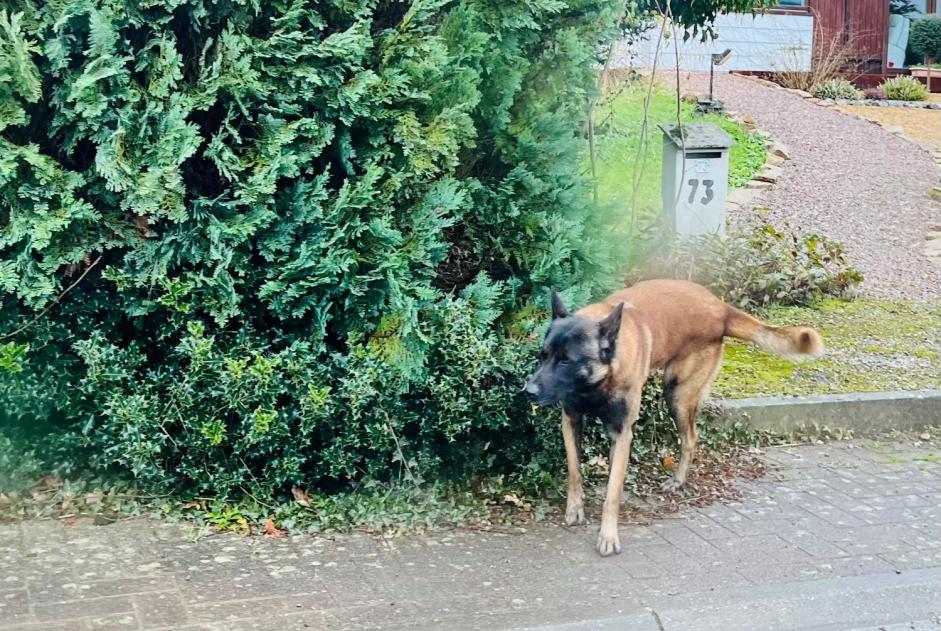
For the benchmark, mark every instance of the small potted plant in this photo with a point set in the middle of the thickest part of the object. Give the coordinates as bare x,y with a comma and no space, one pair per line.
925,40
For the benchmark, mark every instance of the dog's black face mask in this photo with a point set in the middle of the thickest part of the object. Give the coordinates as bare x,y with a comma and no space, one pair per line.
575,358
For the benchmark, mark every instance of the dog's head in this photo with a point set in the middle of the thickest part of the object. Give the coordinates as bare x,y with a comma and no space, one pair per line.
576,355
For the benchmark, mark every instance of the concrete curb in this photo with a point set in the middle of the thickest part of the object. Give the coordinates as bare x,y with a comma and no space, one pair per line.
864,603
862,412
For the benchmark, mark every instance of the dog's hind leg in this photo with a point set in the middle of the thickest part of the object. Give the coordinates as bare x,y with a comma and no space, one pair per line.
572,436
686,384
608,540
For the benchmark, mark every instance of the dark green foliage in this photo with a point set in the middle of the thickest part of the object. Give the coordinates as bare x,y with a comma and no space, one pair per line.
925,36
305,238
902,7
315,223
696,18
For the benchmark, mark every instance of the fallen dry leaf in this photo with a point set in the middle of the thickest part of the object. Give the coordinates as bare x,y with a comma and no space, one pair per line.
49,482
273,531
599,464
668,463
301,496
512,499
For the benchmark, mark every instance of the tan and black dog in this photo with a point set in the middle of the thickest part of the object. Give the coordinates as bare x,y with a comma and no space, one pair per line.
595,361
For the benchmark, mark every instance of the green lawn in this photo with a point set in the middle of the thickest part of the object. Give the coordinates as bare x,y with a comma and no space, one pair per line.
625,155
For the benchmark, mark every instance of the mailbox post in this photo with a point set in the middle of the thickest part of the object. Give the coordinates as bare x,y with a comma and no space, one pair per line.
695,177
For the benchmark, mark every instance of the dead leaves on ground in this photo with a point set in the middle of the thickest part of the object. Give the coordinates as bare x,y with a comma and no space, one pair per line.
273,532
667,461
301,496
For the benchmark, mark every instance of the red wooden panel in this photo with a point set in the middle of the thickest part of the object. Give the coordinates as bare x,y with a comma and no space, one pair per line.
829,20
860,26
867,22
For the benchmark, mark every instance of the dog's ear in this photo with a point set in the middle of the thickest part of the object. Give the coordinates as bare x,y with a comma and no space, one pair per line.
558,307
608,330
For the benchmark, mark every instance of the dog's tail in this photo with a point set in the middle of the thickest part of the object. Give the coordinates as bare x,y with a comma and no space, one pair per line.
792,342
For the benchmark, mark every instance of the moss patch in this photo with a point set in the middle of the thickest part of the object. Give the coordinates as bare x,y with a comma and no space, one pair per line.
933,458
871,346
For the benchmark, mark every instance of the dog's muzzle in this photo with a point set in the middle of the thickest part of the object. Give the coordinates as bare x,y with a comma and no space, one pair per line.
531,388
536,393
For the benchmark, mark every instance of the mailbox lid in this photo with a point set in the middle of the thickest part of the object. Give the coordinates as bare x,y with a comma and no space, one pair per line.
697,136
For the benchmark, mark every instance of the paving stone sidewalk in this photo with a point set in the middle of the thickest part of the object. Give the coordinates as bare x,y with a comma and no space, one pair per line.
840,536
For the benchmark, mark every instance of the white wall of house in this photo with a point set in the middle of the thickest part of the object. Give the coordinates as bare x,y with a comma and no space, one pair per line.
762,42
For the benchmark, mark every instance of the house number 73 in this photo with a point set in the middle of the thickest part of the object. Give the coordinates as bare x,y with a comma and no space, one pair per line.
708,194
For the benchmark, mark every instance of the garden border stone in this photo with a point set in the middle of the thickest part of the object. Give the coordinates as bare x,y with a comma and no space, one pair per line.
865,413
765,177
916,105
831,103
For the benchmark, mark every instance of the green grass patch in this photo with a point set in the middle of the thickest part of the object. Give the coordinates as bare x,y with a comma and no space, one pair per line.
932,458
872,346
626,155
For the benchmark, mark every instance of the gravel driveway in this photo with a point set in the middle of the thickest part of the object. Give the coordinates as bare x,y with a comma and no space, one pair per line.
848,179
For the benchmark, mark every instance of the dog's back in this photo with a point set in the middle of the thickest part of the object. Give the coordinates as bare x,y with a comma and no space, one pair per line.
684,317
680,315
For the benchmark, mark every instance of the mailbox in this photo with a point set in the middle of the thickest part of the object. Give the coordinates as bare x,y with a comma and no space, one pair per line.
695,177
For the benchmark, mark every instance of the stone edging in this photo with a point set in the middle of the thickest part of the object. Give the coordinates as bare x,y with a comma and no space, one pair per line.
914,105
864,413
932,247
807,96
767,175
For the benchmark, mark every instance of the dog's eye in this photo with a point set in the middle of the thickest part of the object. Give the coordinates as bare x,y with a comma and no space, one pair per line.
563,360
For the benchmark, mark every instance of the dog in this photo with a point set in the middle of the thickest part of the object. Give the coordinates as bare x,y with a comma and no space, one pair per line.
594,362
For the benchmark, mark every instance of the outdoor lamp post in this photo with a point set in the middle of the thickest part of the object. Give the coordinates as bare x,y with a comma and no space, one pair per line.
716,59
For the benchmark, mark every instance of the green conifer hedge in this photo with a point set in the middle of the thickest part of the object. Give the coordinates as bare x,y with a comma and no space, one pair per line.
299,241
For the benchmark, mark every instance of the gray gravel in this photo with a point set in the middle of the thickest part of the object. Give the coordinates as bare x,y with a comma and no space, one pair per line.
849,179
916,105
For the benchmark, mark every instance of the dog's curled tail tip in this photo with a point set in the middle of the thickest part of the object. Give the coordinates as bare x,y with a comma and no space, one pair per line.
808,343
792,342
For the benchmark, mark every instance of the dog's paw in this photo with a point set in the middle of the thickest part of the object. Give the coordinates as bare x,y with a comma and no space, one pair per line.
672,485
608,544
575,516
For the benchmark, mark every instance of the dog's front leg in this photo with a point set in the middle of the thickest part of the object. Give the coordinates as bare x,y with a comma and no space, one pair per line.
571,435
608,541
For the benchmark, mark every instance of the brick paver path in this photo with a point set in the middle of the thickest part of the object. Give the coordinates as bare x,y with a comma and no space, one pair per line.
838,536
